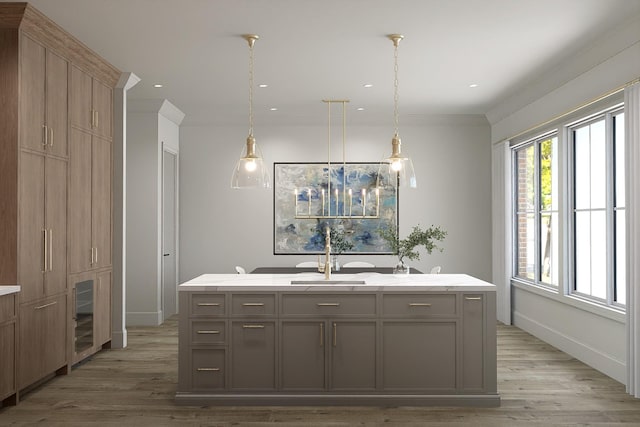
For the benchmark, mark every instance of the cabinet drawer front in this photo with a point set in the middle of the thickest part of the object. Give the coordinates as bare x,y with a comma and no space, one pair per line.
329,304
244,305
206,332
419,305
207,369
7,307
207,305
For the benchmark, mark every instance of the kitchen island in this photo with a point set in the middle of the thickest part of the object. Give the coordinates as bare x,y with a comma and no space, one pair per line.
360,339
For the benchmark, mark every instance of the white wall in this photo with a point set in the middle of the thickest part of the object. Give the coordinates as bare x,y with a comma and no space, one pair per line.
150,124
591,334
221,228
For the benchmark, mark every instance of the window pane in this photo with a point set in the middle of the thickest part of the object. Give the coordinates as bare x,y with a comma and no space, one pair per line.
583,252
618,122
581,167
598,165
526,246
621,273
525,181
549,174
549,248
599,254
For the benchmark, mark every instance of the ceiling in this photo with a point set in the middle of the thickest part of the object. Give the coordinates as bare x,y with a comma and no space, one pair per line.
311,50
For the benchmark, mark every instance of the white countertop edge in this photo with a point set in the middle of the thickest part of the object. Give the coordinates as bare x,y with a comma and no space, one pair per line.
8,290
374,282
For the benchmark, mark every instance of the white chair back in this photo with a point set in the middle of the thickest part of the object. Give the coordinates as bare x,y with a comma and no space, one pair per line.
436,270
240,270
358,264
307,264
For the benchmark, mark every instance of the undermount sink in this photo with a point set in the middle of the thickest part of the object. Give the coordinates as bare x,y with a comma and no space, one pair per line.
328,282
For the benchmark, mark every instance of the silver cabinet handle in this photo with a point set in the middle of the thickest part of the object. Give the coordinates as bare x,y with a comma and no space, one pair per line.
51,139
97,119
208,369
44,250
253,304
419,304
209,332
208,304
93,118
473,298
335,334
45,305
45,136
96,261
328,304
253,326
50,249
321,334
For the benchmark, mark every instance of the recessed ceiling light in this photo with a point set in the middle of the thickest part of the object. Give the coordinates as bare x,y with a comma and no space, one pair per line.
273,109
473,85
367,85
360,109
263,85
157,85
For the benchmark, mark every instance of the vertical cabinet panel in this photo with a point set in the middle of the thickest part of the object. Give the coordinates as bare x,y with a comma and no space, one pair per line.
80,108
473,342
7,359
102,306
56,225
102,105
101,202
56,103
253,355
31,256
79,205
353,355
302,356
419,355
32,94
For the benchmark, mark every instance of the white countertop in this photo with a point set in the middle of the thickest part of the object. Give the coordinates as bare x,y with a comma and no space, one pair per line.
6,290
373,282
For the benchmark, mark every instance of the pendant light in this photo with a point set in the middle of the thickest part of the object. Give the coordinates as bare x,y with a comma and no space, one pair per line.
397,169
250,171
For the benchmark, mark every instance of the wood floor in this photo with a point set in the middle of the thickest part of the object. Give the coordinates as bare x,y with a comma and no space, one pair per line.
539,385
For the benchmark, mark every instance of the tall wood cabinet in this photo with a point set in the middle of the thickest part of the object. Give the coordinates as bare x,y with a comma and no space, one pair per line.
39,166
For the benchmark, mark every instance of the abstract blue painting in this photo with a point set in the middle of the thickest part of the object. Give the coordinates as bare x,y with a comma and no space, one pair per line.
305,194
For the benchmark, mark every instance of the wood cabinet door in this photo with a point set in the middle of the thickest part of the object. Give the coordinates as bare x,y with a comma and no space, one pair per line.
253,355
56,103
103,105
101,202
32,94
419,355
54,323
473,339
31,247
79,202
80,108
102,308
302,356
7,359
353,355
56,225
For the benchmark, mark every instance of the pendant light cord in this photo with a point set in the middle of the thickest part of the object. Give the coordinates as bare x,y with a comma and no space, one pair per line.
395,85
251,88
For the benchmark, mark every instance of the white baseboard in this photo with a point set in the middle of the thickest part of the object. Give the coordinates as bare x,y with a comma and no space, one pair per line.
153,318
602,362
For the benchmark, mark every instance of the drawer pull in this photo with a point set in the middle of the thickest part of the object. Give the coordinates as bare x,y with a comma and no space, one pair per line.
208,304
321,334
328,304
46,305
419,304
473,298
335,335
208,369
209,332
252,326
253,304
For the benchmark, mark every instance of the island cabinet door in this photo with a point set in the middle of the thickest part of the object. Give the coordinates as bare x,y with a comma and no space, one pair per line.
302,356
353,355
419,355
253,355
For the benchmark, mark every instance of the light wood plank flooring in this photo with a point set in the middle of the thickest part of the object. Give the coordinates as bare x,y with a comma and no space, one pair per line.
539,385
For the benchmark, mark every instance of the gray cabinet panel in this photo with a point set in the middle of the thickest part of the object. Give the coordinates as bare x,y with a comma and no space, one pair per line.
253,305
328,304
253,355
418,305
419,355
207,369
473,342
207,332
353,355
302,357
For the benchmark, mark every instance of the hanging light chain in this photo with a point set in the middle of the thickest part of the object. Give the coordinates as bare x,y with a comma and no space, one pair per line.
250,40
395,87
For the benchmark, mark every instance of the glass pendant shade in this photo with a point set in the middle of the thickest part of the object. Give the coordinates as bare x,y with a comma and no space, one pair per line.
250,171
397,169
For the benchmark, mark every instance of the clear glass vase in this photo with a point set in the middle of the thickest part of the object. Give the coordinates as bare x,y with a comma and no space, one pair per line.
334,263
401,268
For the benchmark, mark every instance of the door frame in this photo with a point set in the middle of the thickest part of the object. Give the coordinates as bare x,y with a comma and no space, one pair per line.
167,149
